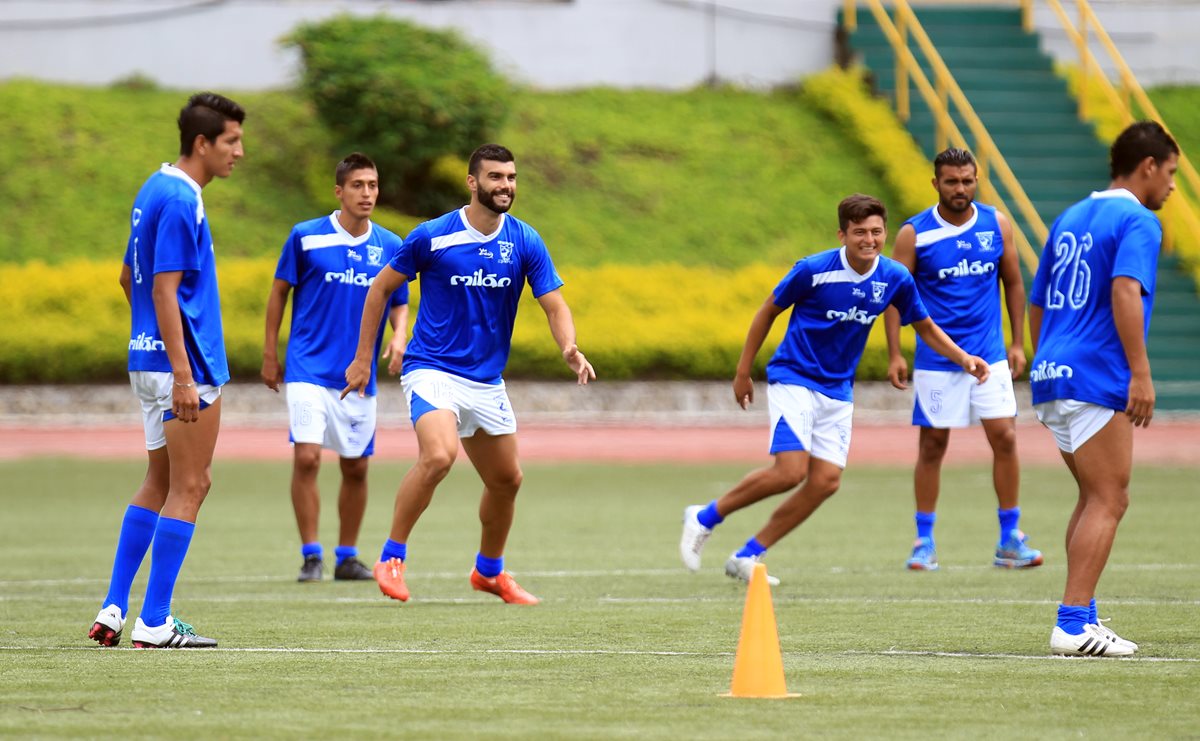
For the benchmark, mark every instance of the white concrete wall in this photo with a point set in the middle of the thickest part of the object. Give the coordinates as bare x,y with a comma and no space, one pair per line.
672,44
1157,38
233,44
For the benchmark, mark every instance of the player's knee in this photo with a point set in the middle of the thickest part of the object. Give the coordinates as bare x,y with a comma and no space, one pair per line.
436,463
932,449
1004,442
509,483
354,470
307,462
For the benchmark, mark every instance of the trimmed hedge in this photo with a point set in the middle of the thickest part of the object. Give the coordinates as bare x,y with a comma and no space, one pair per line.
653,321
843,95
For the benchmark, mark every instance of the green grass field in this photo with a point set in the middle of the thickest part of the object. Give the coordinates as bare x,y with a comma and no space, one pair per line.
625,645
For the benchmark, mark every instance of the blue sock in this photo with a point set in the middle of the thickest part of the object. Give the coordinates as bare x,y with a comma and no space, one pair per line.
925,522
1009,520
709,517
1092,618
1072,619
488,567
752,548
392,549
345,551
312,549
137,531
171,541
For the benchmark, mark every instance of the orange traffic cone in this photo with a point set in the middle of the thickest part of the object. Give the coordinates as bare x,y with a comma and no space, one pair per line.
758,667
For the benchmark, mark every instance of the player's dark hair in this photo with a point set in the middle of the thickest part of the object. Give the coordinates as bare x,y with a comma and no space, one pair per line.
205,115
1137,142
954,157
353,161
493,152
858,208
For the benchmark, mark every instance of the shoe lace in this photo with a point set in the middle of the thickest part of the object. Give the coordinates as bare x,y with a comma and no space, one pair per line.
183,628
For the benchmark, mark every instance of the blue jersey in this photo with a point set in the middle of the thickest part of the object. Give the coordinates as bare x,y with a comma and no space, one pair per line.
833,308
332,271
957,273
169,234
470,285
1079,354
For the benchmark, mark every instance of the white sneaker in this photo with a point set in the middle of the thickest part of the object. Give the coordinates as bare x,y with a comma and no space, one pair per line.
106,630
171,634
1112,636
743,568
694,537
1091,642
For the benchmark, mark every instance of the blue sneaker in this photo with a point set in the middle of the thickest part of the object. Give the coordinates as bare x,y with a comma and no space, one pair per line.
1012,553
924,557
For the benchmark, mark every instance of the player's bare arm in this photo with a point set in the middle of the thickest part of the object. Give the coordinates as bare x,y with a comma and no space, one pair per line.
904,251
185,400
272,371
941,343
1014,296
126,281
393,351
760,327
1129,318
562,327
358,373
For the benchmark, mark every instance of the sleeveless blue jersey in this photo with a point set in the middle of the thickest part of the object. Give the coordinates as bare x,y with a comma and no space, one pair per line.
1079,354
332,271
470,285
957,274
833,308
170,233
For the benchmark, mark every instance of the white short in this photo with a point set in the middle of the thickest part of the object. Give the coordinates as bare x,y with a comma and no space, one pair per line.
478,406
803,419
316,415
154,390
945,399
1072,422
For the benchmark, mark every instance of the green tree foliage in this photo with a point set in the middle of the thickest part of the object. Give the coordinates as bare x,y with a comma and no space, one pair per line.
406,96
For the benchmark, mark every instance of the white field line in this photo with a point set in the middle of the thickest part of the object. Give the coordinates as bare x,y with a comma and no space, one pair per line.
580,574
603,652
304,595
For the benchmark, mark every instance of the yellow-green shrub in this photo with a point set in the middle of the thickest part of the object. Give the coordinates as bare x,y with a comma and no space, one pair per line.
70,323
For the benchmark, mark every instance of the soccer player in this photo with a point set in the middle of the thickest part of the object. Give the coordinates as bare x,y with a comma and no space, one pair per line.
1089,314
473,264
835,296
177,367
331,262
960,252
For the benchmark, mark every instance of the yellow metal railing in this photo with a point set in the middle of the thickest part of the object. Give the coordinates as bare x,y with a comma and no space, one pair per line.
939,95
1123,100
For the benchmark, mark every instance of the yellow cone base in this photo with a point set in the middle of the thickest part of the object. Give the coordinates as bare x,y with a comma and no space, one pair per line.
758,666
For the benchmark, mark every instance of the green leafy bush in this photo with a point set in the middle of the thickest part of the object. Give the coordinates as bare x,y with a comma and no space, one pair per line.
404,94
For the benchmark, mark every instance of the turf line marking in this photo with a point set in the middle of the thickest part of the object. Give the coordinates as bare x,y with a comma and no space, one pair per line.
1024,657
417,651
589,574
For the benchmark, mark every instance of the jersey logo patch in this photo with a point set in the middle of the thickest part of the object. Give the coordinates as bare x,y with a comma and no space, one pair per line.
353,255
985,240
877,289
858,293
963,244
506,249
374,255
485,252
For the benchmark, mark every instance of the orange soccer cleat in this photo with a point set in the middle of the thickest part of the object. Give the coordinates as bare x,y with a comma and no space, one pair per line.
503,586
389,575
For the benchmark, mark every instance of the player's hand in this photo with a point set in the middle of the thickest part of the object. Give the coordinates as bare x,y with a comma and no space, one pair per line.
743,390
579,364
358,375
394,354
1016,360
1140,407
185,402
272,373
898,372
977,367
